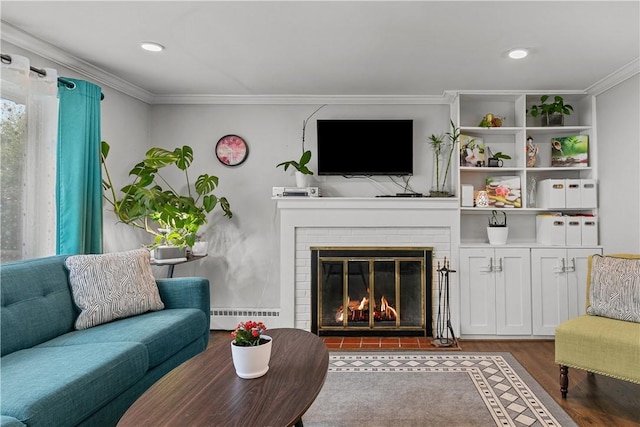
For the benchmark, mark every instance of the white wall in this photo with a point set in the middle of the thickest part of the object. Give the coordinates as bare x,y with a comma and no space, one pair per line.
244,254
618,110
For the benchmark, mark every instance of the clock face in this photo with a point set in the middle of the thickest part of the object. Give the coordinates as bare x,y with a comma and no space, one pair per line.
231,150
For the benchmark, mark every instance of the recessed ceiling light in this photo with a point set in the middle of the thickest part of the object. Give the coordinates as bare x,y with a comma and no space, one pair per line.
152,46
518,53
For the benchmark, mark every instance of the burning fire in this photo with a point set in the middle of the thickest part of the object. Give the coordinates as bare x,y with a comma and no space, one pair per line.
359,310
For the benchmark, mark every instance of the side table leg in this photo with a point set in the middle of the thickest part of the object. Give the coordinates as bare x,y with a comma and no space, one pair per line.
170,271
299,423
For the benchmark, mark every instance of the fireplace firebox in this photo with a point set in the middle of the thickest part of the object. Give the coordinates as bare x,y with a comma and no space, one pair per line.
371,291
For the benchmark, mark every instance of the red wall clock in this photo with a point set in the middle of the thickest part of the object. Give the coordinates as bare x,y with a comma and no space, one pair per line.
231,150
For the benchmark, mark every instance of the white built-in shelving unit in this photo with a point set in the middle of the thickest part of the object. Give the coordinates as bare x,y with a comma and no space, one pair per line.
523,288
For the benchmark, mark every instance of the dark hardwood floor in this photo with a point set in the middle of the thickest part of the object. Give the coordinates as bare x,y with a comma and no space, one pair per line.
593,400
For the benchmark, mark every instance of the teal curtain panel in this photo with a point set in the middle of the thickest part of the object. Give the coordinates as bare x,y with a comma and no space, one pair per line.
79,177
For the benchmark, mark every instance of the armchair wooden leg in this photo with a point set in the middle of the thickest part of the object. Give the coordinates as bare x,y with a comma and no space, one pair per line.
564,380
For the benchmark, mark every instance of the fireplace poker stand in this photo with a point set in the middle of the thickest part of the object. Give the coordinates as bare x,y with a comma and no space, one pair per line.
444,336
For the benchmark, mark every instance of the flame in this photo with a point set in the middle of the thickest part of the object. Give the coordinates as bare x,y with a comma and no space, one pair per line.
389,311
363,303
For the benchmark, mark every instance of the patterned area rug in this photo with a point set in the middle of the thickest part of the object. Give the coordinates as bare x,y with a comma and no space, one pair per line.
430,389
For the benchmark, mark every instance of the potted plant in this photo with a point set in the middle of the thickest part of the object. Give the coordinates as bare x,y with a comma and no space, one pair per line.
497,229
150,203
496,159
302,170
551,114
443,148
250,349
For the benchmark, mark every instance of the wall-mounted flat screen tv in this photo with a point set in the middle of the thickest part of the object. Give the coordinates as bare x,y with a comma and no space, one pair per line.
365,147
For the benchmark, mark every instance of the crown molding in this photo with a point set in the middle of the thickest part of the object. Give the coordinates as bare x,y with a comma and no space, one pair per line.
301,99
48,51
618,76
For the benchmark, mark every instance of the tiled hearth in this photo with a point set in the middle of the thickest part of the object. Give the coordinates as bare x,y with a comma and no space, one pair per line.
367,222
386,343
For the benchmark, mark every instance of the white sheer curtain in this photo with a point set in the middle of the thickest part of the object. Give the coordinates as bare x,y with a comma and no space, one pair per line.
29,135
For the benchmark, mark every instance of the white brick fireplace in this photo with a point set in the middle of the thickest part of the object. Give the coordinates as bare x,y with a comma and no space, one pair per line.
352,222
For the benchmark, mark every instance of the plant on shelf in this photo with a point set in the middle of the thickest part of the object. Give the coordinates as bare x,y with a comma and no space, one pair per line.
497,231
495,221
249,333
301,165
551,114
501,155
443,148
150,203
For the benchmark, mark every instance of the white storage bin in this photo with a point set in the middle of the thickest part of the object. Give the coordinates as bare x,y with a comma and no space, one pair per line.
573,230
589,230
551,194
573,188
551,230
588,193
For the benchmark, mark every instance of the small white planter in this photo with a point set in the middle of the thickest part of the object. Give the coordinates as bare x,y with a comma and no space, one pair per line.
497,235
253,361
302,180
199,248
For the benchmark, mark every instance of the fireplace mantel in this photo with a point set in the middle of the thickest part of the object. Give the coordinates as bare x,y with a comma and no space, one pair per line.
405,221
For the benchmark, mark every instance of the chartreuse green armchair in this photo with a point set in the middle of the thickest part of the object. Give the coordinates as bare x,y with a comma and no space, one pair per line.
605,340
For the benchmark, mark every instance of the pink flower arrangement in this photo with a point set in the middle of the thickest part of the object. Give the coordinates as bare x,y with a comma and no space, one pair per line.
502,191
249,333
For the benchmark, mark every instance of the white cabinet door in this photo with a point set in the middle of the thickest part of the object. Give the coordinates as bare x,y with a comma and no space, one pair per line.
477,292
513,291
578,260
558,284
549,295
495,291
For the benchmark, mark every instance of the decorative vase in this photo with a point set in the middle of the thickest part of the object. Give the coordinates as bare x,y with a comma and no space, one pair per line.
302,180
497,235
251,361
199,248
441,186
553,119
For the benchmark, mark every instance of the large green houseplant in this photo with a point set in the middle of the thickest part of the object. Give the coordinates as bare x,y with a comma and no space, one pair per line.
152,204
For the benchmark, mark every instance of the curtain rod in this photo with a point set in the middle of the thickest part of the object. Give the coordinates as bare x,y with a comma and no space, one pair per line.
39,71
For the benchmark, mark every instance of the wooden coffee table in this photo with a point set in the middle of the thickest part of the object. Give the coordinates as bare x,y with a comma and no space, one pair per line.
205,390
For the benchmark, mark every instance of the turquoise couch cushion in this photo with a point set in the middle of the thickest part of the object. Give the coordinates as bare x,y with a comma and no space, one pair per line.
163,333
6,421
54,386
36,302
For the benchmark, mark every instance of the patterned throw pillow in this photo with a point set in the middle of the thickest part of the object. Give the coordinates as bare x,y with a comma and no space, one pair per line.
614,290
112,286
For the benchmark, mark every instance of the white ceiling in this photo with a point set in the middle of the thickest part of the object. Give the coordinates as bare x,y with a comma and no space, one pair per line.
343,48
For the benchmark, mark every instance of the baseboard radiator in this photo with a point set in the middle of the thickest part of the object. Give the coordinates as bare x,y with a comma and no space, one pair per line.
228,318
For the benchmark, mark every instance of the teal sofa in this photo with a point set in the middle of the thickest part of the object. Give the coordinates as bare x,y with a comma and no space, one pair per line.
54,375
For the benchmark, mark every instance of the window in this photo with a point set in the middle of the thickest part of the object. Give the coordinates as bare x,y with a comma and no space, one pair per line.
29,123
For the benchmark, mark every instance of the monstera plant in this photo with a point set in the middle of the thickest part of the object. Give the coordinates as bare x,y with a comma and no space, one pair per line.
152,204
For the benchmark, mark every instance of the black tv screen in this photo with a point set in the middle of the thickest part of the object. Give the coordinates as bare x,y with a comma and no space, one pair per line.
365,147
